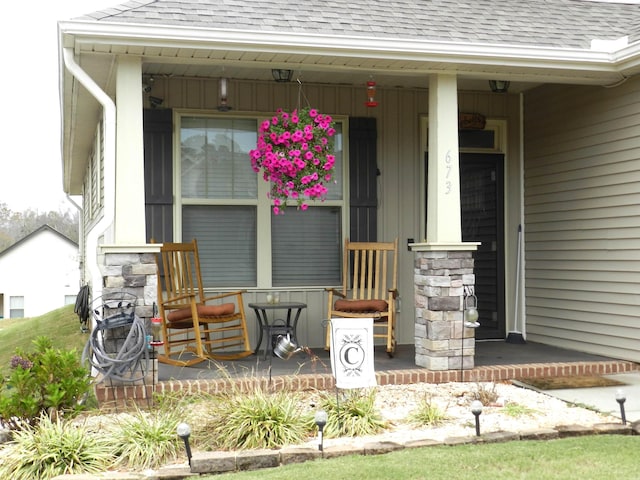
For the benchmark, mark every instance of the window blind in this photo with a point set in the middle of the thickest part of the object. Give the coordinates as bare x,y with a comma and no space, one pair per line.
226,238
306,247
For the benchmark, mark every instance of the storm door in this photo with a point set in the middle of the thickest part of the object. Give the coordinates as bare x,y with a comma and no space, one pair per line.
482,209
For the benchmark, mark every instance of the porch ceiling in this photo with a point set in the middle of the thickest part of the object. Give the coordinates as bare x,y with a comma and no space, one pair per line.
314,59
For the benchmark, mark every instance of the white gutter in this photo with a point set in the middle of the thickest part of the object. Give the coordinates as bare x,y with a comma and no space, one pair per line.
102,228
411,49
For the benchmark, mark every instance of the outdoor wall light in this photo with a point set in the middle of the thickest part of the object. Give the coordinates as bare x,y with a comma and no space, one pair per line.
224,106
621,398
184,431
155,102
476,409
321,420
499,86
282,75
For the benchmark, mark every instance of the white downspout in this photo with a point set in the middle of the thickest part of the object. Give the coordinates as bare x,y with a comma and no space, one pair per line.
522,313
109,150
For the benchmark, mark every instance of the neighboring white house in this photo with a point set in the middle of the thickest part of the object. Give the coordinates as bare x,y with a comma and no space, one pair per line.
39,273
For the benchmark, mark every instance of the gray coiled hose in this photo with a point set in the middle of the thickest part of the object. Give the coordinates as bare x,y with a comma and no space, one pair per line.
133,355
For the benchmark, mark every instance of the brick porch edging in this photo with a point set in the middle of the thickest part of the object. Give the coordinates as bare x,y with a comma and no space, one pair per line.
121,395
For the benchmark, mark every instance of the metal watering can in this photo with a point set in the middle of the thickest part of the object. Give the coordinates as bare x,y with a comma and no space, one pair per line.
285,347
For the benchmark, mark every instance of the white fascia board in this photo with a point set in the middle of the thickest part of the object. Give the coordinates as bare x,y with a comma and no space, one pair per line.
627,60
344,46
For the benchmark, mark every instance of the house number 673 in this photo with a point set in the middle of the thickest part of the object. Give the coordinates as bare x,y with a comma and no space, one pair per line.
447,164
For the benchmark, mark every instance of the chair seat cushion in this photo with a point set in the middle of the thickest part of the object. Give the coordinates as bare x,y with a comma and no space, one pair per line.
356,306
203,311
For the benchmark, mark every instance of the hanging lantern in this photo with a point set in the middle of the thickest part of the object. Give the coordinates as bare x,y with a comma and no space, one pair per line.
471,314
371,94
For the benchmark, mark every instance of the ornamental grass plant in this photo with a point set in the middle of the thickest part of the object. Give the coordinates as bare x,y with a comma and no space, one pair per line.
260,419
55,447
428,413
147,439
351,413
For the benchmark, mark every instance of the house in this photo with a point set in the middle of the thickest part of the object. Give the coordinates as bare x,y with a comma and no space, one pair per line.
503,152
38,273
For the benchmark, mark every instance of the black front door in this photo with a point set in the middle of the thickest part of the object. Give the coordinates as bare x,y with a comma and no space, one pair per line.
481,201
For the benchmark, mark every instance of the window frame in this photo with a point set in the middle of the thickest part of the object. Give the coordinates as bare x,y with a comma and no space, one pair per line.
261,202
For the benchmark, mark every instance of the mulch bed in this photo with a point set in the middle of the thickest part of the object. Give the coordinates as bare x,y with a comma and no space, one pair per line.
557,383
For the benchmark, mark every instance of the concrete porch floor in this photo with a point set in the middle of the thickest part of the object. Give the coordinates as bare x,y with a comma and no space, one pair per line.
488,354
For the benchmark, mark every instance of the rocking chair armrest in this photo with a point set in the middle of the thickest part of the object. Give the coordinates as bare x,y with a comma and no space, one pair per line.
223,295
178,299
333,291
394,292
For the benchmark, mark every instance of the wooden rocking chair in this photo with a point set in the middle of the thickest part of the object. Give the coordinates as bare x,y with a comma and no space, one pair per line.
369,288
190,323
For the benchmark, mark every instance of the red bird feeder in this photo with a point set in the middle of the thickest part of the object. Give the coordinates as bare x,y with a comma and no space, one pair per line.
371,94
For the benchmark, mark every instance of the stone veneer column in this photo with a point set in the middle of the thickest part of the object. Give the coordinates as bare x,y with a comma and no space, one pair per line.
441,341
134,273
130,269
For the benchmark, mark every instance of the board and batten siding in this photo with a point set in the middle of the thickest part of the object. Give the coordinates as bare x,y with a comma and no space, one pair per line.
400,158
582,218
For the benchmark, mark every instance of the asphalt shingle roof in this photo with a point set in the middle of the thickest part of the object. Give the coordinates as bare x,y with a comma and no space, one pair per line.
540,23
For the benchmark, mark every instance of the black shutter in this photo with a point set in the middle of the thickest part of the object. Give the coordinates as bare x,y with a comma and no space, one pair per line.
363,170
158,174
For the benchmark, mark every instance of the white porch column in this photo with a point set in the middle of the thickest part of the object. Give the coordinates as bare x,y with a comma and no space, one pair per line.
129,204
443,192
443,263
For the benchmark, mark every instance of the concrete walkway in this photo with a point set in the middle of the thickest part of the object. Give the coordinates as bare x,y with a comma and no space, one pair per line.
603,399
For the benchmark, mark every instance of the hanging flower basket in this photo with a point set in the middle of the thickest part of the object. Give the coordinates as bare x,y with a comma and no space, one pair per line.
295,153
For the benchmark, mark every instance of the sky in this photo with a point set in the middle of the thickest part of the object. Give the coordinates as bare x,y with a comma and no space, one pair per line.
30,158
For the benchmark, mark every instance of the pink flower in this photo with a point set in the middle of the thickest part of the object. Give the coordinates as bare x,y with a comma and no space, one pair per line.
293,153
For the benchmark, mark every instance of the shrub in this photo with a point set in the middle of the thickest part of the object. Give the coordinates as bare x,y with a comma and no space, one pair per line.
45,380
52,448
260,420
353,416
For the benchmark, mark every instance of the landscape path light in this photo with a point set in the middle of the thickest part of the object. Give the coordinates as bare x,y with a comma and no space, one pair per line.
476,409
621,398
184,432
321,420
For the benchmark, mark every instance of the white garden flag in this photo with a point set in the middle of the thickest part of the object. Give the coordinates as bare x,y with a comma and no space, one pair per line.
352,352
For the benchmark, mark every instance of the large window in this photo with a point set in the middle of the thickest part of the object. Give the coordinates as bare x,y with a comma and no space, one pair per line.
223,203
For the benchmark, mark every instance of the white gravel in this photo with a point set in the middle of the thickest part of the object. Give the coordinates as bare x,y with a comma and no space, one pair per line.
516,410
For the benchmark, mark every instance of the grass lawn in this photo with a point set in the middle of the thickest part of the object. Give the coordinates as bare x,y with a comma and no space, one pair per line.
586,458
62,326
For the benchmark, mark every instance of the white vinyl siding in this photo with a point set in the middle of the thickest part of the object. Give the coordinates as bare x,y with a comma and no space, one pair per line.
582,218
